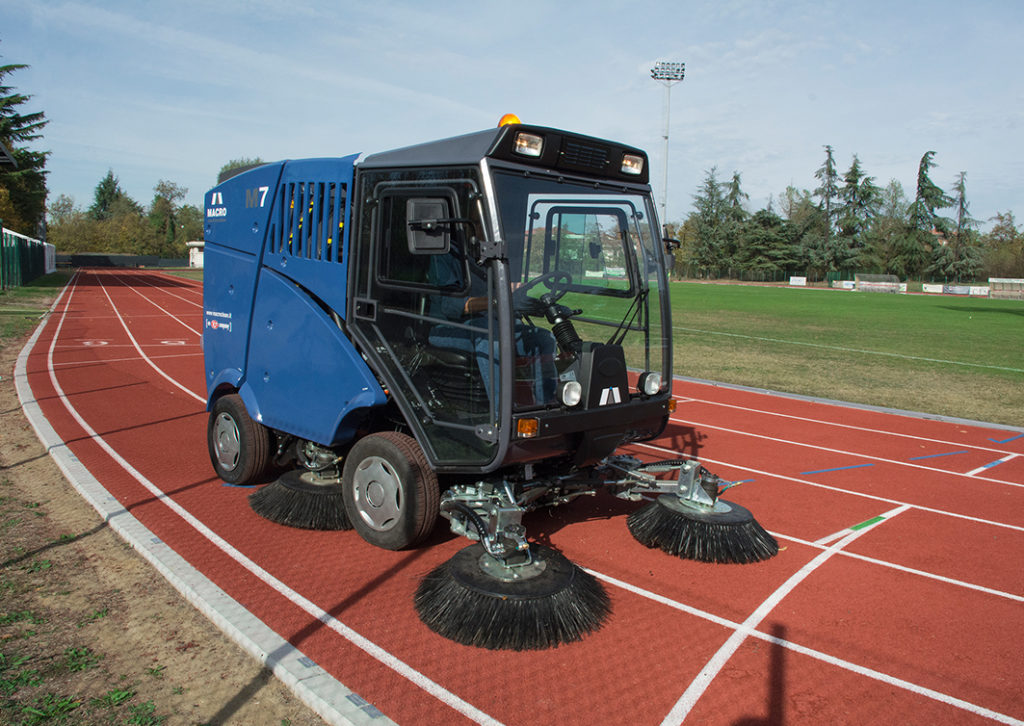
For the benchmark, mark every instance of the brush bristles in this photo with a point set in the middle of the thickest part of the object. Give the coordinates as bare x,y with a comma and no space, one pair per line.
561,605
297,504
733,537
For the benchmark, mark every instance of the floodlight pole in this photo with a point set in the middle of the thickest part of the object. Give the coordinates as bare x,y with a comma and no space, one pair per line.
667,73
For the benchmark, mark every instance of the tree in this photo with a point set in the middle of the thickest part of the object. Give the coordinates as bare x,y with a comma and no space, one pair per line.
237,166
828,191
765,249
889,240
733,215
859,198
806,221
709,207
163,214
23,188
108,193
924,218
1004,247
959,258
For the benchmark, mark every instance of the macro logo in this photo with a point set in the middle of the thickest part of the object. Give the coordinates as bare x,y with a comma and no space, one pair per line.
216,208
610,395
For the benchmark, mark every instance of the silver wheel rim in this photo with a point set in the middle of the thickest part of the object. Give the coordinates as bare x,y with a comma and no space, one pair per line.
377,490
227,441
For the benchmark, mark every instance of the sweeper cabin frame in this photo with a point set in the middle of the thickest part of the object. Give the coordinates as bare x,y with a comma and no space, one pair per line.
449,329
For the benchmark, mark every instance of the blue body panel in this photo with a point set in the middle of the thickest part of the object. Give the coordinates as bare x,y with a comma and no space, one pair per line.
276,269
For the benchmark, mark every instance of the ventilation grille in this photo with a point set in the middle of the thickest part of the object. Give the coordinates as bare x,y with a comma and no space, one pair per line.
584,156
310,221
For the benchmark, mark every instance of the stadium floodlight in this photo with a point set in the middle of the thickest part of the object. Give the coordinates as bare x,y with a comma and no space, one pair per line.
667,73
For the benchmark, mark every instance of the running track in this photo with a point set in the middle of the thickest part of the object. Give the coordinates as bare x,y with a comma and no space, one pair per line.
897,597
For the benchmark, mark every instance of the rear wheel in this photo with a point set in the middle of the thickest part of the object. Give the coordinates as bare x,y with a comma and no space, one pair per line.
391,493
239,447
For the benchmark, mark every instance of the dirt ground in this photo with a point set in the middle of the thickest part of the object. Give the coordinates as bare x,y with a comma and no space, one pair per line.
89,632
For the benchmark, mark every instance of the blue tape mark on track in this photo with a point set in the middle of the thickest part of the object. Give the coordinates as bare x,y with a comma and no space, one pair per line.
1006,441
997,462
838,468
936,456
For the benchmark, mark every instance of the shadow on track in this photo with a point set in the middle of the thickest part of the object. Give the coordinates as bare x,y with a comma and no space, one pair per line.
776,715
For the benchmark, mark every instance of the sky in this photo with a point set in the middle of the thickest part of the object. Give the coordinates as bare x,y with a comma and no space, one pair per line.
173,90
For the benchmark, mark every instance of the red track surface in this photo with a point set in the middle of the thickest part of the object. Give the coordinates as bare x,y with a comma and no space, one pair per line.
916,618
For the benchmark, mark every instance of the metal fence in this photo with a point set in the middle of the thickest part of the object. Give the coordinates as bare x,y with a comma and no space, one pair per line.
23,259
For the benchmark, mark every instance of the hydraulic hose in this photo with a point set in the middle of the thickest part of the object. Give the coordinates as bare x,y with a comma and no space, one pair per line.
471,515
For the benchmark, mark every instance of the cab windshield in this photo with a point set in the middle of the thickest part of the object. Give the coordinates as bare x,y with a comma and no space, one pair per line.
586,267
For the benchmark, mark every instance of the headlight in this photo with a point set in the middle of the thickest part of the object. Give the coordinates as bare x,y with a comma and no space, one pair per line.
632,164
649,383
528,144
570,393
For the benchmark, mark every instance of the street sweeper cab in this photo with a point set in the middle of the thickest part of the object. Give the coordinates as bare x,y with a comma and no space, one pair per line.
468,328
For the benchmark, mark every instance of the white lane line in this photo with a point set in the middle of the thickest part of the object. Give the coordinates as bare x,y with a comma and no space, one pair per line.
133,359
819,485
902,568
166,312
811,653
843,452
974,472
717,661
163,289
825,422
154,366
831,537
311,608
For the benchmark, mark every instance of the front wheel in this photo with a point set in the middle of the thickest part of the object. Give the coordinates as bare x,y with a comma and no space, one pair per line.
391,493
239,447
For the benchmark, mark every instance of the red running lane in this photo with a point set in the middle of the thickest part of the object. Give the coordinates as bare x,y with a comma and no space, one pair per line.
919,616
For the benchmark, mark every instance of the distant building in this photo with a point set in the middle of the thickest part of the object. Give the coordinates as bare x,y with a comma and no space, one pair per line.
6,157
195,254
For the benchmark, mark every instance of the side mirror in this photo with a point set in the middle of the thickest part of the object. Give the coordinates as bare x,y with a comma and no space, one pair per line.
429,229
671,244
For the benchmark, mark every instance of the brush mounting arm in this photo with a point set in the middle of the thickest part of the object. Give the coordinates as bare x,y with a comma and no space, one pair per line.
631,479
489,514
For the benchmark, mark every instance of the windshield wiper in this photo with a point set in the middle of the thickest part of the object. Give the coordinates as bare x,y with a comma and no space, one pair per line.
627,321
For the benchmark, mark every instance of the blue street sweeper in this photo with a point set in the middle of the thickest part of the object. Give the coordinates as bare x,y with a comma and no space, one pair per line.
467,328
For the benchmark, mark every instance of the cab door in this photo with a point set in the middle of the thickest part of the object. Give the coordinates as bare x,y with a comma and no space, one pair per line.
420,305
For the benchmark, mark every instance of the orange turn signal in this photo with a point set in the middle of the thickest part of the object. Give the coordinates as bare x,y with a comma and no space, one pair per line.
527,428
671,405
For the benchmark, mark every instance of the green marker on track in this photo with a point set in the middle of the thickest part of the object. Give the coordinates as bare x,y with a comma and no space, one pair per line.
867,523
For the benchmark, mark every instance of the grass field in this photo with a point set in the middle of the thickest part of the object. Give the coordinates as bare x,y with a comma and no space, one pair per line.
21,307
945,355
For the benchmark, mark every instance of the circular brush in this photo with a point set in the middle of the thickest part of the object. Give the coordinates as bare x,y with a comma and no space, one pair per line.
298,500
726,532
471,599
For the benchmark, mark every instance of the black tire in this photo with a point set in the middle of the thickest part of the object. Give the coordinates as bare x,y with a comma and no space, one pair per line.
239,447
391,493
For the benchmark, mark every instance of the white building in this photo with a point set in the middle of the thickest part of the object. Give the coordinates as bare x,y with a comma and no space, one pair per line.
195,254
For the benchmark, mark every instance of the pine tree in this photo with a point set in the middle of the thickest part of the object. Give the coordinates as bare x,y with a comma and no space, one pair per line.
109,199
709,205
733,215
829,255
860,198
828,191
959,259
924,218
23,188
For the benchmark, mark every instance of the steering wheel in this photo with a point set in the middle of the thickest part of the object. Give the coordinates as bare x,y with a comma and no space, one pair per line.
558,282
